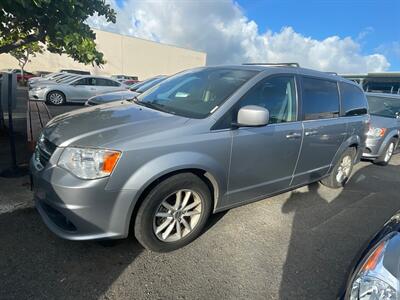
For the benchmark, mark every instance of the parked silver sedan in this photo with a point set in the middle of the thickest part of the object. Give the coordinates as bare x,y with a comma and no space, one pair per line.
384,132
77,89
133,91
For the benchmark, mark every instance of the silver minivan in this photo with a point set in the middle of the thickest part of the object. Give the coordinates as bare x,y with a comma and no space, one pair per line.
202,141
384,132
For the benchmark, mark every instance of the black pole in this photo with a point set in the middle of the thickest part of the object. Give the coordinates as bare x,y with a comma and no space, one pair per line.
2,126
14,170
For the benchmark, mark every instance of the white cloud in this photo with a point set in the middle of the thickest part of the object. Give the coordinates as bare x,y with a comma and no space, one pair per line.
366,32
389,49
220,28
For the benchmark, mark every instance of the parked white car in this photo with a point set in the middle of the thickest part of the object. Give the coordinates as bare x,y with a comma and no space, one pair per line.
77,89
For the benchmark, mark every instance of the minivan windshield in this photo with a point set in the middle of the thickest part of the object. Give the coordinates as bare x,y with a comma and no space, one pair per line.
149,85
383,106
195,93
138,85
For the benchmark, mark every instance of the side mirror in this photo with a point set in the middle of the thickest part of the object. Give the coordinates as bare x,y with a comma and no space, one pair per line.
252,116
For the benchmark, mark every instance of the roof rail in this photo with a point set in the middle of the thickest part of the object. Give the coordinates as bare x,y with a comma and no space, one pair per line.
292,64
332,73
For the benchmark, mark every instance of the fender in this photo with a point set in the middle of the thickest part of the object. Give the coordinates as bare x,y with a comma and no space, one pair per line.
394,133
173,162
352,140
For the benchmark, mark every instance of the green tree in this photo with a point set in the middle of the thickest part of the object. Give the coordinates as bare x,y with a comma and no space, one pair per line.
24,54
59,24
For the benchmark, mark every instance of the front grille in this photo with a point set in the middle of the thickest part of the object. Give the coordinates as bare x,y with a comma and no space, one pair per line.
44,150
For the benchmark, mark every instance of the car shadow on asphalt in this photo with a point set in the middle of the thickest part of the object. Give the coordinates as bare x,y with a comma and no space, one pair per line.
214,219
36,264
345,221
326,225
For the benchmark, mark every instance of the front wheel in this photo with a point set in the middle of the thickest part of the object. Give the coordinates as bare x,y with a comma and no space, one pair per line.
174,213
342,170
56,98
386,156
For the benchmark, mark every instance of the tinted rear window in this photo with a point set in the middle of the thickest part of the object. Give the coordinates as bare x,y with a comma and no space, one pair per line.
84,81
320,99
354,102
105,82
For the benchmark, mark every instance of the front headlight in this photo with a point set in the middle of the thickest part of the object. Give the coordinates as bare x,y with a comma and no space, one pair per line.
373,281
88,163
376,132
370,288
38,88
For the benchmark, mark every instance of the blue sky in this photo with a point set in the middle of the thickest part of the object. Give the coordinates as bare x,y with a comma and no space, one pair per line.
374,23
346,36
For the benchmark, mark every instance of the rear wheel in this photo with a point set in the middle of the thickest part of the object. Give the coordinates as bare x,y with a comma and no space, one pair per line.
56,98
387,154
342,170
174,213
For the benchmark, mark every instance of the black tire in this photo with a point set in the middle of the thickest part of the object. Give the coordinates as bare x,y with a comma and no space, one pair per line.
332,180
144,221
55,98
382,160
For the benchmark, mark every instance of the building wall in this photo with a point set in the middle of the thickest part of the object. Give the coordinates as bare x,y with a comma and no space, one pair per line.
124,55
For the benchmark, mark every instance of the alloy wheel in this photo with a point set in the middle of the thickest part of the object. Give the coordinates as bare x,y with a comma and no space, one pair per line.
344,169
56,98
389,152
177,215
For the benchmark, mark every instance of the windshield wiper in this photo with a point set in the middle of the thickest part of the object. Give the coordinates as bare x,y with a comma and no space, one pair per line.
153,105
157,106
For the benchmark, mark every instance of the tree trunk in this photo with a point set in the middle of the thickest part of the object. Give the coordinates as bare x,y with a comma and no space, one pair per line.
22,64
22,76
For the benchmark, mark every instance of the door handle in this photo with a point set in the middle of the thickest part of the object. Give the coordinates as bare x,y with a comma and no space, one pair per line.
293,135
310,133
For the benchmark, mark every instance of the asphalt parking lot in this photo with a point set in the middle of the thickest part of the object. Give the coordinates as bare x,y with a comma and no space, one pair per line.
298,245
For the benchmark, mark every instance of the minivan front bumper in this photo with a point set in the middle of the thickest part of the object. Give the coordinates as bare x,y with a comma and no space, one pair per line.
373,148
77,209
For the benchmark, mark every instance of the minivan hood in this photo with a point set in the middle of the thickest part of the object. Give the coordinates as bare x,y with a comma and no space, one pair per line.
386,122
102,125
